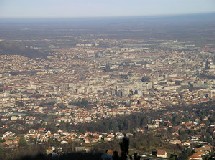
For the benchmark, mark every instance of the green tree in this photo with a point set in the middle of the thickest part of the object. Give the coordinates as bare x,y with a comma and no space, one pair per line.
22,142
1,152
2,140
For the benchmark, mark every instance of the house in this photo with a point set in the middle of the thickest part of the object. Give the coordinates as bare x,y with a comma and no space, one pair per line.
109,137
196,156
161,153
11,142
204,150
87,140
175,141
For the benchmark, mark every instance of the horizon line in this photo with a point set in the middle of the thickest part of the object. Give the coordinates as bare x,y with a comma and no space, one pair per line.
114,16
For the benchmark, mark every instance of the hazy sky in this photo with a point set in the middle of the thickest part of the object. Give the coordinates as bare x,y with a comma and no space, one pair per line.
91,8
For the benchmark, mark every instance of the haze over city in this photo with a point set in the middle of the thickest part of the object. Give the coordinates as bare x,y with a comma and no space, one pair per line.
98,8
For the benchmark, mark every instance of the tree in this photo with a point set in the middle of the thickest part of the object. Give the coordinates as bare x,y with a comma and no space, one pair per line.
186,152
1,152
22,142
2,140
145,79
80,103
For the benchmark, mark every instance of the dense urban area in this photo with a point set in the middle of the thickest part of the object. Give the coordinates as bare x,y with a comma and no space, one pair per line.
86,89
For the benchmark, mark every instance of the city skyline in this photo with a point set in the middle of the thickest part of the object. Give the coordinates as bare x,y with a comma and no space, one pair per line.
101,8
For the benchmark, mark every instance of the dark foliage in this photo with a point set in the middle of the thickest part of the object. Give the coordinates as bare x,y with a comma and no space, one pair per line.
69,156
145,79
80,103
16,48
